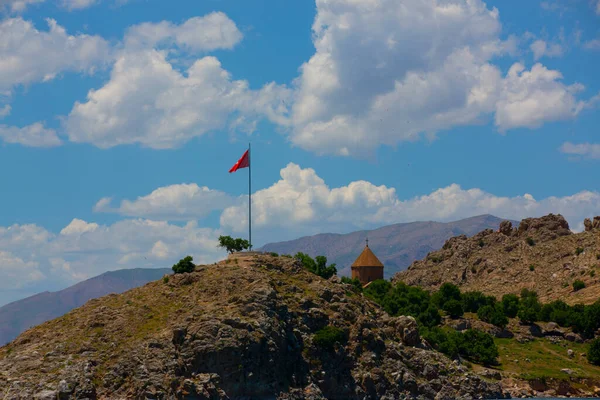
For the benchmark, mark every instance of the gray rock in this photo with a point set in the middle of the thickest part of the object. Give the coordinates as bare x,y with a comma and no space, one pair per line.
46,395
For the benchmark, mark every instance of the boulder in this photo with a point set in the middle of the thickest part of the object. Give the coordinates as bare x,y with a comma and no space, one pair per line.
408,329
573,337
506,228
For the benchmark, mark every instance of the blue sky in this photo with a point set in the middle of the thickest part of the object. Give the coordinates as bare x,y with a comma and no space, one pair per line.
119,121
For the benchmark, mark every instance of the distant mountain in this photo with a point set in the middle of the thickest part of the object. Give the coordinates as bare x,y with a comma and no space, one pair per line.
23,314
397,246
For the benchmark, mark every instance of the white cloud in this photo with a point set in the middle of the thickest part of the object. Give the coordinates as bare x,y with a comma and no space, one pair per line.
34,259
542,48
387,71
148,102
587,150
302,203
174,202
593,44
5,111
598,7
210,32
35,135
17,6
530,98
29,55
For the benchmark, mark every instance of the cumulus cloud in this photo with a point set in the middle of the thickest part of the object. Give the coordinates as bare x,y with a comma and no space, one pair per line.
593,44
5,110
34,259
207,33
22,47
174,202
586,150
302,203
149,102
17,6
35,135
388,71
541,48
530,98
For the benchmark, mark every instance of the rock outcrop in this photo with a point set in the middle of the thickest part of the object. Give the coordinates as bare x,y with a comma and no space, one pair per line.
542,254
241,328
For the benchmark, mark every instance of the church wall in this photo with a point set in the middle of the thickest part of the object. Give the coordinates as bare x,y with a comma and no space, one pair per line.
367,274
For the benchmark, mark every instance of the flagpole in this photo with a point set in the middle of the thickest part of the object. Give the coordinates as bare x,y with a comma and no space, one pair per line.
249,197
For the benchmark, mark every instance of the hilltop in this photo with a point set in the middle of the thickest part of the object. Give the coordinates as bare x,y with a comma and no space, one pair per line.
542,254
17,316
397,246
253,325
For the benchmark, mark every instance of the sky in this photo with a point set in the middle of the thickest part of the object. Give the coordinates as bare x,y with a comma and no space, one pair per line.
119,121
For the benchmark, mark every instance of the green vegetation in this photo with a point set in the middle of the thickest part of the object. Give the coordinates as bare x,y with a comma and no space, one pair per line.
184,265
356,285
232,245
532,267
454,308
327,337
474,345
578,285
530,241
317,266
493,315
274,254
165,279
481,243
593,354
579,250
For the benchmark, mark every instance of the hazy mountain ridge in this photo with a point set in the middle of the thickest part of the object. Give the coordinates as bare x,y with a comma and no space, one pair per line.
397,246
23,314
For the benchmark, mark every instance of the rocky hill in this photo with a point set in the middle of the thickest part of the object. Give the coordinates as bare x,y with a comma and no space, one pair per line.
249,326
23,314
542,254
397,246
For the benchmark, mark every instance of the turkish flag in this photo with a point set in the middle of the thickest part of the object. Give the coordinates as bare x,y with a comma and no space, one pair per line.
243,162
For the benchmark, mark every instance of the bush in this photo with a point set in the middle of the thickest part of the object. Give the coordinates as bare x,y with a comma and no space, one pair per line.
593,355
317,266
529,308
184,265
578,285
326,338
473,301
232,245
530,241
274,254
578,250
447,292
454,308
356,285
510,305
473,344
532,267
166,279
481,243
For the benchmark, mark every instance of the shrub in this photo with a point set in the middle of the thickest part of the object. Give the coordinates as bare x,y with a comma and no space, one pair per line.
510,305
356,285
326,338
481,243
592,273
317,266
454,308
479,347
532,267
473,301
274,254
232,245
593,355
598,256
184,265
530,241
578,285
578,250
529,308
447,292
165,279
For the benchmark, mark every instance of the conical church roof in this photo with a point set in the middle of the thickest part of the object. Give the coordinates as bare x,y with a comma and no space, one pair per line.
367,259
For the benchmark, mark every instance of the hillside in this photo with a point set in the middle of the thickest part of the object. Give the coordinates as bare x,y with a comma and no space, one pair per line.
17,316
397,246
250,325
542,254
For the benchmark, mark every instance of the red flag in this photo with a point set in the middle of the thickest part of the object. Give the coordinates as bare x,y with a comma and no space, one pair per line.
243,162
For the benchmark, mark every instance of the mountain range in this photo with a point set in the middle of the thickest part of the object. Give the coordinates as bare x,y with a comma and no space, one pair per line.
397,246
23,314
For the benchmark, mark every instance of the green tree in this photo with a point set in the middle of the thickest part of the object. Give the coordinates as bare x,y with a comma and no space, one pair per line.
473,301
317,266
479,347
447,292
529,307
454,308
593,355
510,305
356,285
232,245
578,285
184,265
327,337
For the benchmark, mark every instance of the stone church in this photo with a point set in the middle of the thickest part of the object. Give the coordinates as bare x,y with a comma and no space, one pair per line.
367,267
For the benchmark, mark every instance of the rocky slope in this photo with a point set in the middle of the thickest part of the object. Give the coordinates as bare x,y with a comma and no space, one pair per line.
397,246
17,316
243,327
542,254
